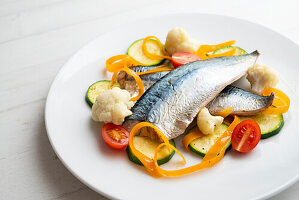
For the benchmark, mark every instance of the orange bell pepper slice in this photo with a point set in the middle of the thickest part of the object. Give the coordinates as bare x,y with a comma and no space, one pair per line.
281,103
211,48
224,113
203,50
114,63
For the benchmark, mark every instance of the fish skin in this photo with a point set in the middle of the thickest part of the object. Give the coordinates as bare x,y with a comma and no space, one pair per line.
172,102
244,103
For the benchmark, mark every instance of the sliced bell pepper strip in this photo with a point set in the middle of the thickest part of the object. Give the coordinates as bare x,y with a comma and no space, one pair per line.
226,112
213,156
114,63
190,137
228,53
146,161
154,56
280,104
203,50
211,48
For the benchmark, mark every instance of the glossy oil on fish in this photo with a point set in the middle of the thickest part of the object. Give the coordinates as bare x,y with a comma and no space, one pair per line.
172,103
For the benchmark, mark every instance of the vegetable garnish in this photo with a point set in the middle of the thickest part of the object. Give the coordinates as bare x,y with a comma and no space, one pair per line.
195,133
203,50
224,113
228,53
146,161
213,156
154,56
135,76
181,58
115,136
114,63
211,48
246,136
280,104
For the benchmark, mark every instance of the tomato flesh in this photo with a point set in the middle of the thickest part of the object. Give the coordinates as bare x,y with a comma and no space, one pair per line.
246,136
181,58
115,136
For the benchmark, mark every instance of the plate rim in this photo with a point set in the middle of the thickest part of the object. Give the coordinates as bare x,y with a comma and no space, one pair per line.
269,194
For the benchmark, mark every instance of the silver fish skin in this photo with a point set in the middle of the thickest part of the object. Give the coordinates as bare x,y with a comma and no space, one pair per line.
243,102
172,103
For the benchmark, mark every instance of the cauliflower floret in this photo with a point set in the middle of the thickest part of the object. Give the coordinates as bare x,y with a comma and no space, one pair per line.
178,40
260,77
112,106
207,122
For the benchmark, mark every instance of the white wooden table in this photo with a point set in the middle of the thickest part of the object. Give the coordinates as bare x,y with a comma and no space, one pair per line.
36,39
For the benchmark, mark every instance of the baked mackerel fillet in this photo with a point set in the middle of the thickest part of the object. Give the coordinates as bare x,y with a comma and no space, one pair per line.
172,102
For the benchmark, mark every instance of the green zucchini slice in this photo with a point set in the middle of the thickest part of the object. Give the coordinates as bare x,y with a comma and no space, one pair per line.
202,145
148,146
135,51
270,124
97,88
239,51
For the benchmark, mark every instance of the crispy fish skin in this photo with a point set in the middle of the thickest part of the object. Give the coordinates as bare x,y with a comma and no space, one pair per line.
172,102
244,103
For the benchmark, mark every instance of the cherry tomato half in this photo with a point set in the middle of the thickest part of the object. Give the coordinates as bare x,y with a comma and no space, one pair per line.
115,136
181,58
246,136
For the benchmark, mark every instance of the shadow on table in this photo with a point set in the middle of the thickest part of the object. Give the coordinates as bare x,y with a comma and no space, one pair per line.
61,183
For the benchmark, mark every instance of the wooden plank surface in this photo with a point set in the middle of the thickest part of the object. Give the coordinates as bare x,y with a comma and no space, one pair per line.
36,39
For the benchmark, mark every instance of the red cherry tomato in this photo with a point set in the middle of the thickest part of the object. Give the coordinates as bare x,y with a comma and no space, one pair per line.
181,58
115,136
246,136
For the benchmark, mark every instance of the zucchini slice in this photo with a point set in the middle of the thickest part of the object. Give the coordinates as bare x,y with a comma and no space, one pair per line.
135,50
97,88
270,124
202,145
239,51
148,146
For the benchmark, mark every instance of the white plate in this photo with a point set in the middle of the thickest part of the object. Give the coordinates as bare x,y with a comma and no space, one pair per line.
267,170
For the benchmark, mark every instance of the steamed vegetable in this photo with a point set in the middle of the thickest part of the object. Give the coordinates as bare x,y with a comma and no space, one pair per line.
112,106
238,51
178,40
261,77
270,124
202,145
206,122
97,88
135,51
148,146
